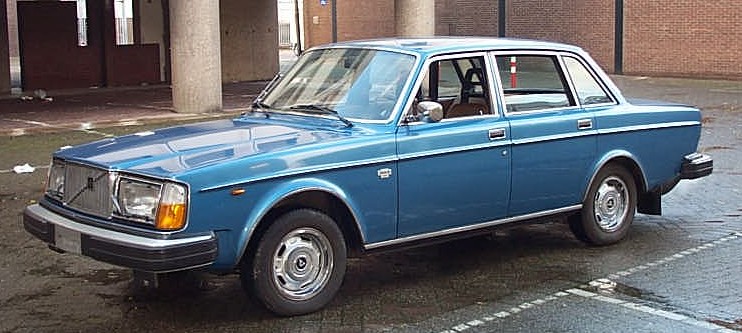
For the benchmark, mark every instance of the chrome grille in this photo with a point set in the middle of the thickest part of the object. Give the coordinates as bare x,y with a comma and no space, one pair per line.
88,189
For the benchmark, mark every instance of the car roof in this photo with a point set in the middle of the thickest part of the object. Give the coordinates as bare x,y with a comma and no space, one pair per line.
438,45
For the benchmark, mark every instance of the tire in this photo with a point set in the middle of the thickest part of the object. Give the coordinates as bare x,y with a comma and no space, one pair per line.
608,209
298,265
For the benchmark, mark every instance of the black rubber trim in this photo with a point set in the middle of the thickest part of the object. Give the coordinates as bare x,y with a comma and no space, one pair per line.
42,230
696,168
159,260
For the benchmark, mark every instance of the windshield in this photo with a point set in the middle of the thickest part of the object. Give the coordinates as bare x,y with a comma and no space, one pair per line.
358,84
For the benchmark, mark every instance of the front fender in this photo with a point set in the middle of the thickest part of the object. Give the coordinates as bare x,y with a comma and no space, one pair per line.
286,189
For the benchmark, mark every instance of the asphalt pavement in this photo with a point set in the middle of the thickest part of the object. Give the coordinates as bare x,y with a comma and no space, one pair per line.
675,273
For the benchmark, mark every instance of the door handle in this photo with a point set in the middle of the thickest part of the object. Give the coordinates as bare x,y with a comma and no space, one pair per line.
496,134
584,124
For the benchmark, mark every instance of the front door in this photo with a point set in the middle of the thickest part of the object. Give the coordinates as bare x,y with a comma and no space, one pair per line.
455,172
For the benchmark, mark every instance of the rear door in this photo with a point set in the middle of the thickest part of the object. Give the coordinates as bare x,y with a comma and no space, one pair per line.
553,137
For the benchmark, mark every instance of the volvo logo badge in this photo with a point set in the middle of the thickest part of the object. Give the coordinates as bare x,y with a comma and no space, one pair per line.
301,263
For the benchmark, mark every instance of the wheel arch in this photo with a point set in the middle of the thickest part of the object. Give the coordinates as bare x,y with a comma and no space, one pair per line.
306,193
624,159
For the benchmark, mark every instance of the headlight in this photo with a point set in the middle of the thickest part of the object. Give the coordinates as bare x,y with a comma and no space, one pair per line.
161,205
55,180
139,199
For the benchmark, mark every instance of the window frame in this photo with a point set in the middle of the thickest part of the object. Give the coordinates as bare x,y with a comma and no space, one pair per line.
560,66
608,92
494,100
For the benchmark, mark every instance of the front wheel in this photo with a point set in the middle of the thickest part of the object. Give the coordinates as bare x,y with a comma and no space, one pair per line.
608,209
299,263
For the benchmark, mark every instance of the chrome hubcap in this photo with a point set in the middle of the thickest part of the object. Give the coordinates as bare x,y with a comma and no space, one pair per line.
302,264
610,204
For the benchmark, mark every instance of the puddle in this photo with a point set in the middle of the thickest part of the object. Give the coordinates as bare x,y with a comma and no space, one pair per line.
622,291
25,298
732,325
108,276
55,269
617,288
712,148
100,277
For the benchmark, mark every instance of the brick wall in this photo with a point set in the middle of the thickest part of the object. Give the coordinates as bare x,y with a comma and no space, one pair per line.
663,37
591,26
318,23
377,19
355,19
466,17
683,38
585,23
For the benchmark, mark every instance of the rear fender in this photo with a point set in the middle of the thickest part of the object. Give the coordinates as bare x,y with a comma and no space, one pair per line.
625,158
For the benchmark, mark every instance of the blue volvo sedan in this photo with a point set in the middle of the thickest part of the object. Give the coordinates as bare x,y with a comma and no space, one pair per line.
373,145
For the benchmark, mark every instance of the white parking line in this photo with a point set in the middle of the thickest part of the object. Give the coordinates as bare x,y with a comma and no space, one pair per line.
649,310
607,284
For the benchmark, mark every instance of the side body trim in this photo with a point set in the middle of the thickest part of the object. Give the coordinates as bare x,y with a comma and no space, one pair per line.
648,127
445,232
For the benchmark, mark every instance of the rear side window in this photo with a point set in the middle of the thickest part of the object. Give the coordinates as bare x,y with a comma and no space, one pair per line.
589,91
532,82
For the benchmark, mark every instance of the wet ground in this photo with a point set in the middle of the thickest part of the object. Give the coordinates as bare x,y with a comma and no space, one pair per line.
675,273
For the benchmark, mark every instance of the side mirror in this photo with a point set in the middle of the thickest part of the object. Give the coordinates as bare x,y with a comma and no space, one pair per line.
431,112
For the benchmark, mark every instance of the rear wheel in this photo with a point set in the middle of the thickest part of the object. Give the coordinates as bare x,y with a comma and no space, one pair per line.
608,209
298,265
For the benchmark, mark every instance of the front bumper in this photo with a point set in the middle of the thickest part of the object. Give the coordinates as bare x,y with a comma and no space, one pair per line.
139,253
696,165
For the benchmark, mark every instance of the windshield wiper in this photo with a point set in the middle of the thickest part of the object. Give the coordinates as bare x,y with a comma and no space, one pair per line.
258,102
259,106
321,109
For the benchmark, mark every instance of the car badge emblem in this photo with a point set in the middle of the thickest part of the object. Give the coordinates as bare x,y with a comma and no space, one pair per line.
384,173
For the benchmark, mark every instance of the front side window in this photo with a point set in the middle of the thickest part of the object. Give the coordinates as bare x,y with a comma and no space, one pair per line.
356,83
589,91
459,85
532,82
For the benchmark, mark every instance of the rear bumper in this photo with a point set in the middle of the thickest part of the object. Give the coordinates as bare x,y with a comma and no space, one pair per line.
140,253
696,165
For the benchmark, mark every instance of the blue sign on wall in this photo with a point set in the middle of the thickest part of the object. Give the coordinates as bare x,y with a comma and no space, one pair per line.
323,2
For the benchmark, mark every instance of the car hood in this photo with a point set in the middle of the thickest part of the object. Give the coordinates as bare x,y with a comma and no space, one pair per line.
172,151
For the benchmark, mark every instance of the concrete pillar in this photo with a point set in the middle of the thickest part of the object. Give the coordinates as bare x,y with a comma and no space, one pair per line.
196,56
414,18
4,50
249,37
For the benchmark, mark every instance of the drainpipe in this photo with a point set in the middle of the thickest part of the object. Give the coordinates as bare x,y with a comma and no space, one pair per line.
334,21
501,18
618,48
